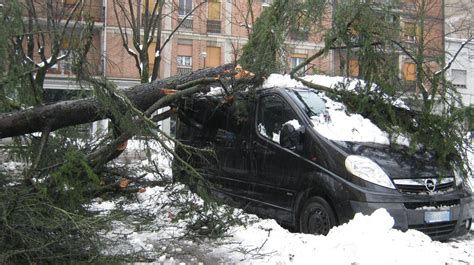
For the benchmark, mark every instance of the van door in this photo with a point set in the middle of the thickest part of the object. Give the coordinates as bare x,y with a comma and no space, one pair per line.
231,147
276,170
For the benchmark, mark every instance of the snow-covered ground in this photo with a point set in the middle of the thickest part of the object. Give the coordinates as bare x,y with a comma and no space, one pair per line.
364,240
164,239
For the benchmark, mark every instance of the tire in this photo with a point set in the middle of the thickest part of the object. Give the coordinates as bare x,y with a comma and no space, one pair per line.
316,217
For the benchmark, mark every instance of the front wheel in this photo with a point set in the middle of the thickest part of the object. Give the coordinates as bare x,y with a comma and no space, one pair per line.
316,217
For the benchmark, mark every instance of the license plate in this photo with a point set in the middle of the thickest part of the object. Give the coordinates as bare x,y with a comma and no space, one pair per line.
439,216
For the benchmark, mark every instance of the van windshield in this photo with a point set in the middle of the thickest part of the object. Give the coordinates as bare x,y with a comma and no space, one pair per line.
331,120
309,101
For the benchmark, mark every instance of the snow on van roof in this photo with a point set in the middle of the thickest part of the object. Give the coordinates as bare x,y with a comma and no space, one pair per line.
277,80
341,125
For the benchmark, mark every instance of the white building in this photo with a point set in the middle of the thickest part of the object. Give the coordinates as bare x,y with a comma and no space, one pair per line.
461,73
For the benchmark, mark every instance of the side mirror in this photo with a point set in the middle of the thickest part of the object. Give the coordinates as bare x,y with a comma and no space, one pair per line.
290,137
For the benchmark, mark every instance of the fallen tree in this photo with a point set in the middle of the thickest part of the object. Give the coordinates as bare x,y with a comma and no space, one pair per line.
74,112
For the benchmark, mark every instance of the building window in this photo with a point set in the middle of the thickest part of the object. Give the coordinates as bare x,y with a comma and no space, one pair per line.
151,56
68,44
185,7
299,31
148,10
297,59
409,31
213,57
184,61
185,64
214,16
459,78
409,71
214,9
353,69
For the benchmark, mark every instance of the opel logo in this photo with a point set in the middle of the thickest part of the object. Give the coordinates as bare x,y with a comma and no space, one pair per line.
430,185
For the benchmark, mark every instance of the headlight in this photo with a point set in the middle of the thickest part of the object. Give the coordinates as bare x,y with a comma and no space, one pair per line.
367,169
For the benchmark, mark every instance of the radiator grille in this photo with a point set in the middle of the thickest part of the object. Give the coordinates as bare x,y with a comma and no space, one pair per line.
424,185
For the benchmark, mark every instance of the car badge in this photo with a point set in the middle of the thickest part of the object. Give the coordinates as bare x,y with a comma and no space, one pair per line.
430,185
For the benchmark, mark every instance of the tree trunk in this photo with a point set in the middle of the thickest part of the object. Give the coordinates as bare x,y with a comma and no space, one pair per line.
74,112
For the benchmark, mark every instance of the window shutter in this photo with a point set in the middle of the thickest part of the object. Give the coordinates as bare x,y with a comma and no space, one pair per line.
353,67
151,55
213,56
214,10
409,71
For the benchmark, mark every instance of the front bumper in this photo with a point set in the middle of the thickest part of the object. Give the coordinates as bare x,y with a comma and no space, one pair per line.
460,217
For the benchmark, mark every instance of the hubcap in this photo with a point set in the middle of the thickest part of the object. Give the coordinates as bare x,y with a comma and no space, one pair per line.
318,222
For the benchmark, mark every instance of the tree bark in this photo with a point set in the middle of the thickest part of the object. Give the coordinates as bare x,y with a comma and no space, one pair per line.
74,112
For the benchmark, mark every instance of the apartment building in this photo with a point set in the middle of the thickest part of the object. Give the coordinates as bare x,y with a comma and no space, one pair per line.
212,33
459,33
415,23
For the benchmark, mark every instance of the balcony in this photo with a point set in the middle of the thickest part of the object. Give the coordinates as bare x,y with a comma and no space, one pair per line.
214,26
184,70
186,25
94,11
299,35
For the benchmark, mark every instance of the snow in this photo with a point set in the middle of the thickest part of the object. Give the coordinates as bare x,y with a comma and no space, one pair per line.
294,123
131,51
341,126
216,91
453,58
364,240
367,239
62,56
347,127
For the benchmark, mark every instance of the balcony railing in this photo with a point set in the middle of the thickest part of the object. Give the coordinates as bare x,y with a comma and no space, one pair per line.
299,35
94,11
187,24
213,26
182,70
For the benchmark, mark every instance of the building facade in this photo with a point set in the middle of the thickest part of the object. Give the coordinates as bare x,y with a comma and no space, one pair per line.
216,30
459,40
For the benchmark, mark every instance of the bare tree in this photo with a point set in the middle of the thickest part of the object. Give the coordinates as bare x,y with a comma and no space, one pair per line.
140,22
48,25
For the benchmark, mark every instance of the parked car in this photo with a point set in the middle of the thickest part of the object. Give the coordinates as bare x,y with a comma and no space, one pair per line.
269,158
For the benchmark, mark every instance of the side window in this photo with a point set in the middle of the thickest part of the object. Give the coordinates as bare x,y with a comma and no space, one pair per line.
235,127
273,116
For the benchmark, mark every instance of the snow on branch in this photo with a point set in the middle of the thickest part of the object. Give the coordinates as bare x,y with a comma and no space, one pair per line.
449,64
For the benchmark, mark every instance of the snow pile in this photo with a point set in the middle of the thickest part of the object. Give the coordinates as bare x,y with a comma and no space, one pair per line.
341,125
350,84
347,127
364,240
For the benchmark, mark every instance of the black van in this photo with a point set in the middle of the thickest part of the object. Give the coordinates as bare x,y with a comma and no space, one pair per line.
269,158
